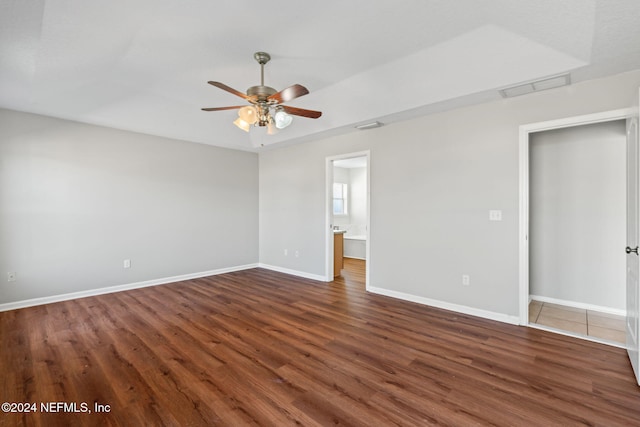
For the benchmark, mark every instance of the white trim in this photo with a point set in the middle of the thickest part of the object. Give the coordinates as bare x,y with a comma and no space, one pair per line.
119,288
523,147
367,247
303,274
355,257
328,244
329,213
587,119
581,305
491,315
523,236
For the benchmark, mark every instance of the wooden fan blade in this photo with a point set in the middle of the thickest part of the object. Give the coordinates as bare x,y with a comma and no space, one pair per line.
302,112
235,107
228,89
292,92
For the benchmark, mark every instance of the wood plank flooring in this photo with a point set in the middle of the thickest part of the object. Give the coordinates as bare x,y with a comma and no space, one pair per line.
258,347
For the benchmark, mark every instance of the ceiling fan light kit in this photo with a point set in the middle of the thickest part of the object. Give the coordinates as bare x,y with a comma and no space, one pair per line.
266,107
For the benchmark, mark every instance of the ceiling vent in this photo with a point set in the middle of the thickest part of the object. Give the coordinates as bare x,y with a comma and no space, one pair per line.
536,86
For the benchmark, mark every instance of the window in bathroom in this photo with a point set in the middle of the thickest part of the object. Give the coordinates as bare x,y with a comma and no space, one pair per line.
339,198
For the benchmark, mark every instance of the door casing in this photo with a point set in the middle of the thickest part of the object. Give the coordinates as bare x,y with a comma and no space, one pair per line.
631,324
523,233
329,213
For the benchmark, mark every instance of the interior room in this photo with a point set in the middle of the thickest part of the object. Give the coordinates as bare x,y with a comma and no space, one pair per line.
350,211
174,178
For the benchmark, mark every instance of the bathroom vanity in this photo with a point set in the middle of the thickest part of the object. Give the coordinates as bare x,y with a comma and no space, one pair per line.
338,251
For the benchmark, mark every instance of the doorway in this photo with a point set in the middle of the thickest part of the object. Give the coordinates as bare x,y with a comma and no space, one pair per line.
348,216
532,252
577,225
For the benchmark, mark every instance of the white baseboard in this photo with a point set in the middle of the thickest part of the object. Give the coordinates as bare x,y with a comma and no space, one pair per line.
100,291
500,317
354,257
593,307
294,272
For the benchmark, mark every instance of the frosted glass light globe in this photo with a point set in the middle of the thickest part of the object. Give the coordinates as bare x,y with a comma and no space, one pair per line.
242,124
248,114
282,119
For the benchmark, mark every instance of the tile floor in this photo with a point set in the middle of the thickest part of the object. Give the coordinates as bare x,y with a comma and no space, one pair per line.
590,323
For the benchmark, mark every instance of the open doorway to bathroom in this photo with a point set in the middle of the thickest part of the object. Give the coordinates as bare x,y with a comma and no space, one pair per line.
348,217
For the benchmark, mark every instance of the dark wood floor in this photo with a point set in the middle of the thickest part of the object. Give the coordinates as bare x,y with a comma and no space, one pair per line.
263,348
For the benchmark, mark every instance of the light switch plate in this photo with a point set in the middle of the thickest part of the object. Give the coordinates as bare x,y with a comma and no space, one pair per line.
495,215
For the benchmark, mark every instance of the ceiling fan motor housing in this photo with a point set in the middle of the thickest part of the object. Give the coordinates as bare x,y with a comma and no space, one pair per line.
258,96
261,93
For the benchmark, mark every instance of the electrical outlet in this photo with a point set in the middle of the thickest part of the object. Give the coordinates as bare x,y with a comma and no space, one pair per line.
466,280
126,263
11,276
297,254
495,215
286,252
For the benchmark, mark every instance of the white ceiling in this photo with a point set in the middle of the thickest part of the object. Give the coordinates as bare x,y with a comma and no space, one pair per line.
143,65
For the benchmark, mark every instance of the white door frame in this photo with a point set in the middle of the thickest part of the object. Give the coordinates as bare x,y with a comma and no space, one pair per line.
631,303
329,213
525,130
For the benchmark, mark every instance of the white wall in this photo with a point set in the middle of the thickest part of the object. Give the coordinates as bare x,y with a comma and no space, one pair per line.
76,200
578,214
433,181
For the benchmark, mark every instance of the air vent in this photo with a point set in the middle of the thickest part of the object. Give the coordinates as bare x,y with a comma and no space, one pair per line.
536,86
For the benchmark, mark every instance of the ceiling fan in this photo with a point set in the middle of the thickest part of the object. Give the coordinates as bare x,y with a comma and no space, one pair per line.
266,107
